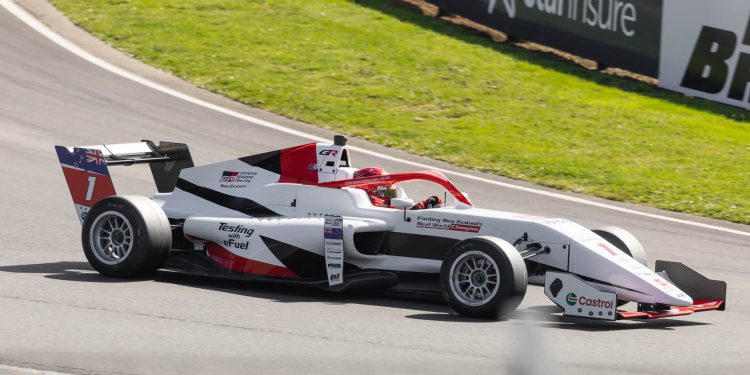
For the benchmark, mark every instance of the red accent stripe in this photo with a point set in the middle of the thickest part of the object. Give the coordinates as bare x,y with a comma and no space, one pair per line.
698,306
609,250
78,183
299,165
232,261
706,305
674,311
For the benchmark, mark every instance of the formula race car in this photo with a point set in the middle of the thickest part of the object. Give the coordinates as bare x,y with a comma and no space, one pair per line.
303,215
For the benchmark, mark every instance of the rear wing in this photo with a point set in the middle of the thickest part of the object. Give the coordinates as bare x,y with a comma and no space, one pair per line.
87,175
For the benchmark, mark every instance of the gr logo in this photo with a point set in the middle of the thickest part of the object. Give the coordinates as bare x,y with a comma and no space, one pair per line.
709,70
328,152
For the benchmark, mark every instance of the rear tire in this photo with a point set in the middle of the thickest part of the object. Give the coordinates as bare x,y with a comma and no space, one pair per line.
126,236
627,243
483,277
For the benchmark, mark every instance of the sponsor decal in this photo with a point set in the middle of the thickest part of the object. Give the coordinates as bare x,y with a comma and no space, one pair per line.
231,179
333,242
571,299
334,245
228,176
465,228
610,15
333,232
595,302
312,167
510,7
328,152
709,70
448,224
556,221
236,244
236,230
706,50
368,180
622,33
318,214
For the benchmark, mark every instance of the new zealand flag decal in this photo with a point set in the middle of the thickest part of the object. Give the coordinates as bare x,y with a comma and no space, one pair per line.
90,160
333,233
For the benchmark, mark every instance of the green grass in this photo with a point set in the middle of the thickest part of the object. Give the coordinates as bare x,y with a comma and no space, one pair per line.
388,74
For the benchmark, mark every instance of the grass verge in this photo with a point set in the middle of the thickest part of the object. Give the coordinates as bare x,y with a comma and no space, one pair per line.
385,73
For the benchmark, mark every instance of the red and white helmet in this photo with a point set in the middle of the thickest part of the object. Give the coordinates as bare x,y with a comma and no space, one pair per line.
367,172
380,195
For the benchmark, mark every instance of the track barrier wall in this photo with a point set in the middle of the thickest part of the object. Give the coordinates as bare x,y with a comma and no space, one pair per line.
697,47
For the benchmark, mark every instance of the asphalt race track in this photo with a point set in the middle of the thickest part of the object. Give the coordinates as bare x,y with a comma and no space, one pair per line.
57,314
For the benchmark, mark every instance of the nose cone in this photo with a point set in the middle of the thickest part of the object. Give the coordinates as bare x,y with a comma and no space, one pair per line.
623,275
667,293
676,297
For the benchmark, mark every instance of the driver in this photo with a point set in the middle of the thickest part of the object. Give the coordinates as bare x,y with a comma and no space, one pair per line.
381,195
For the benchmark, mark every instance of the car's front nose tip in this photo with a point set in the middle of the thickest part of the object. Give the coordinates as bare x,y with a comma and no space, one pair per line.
679,298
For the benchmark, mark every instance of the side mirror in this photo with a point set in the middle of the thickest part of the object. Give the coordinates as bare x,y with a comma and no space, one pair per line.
402,203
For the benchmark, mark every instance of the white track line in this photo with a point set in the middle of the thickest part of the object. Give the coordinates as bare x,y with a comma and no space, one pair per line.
13,370
31,21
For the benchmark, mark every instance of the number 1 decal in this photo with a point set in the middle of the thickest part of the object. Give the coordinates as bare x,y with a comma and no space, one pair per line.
90,191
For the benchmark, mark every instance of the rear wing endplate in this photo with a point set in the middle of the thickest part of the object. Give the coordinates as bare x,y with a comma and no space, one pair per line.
87,174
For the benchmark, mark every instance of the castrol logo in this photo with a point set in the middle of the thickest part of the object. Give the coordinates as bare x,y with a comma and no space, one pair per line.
595,302
571,299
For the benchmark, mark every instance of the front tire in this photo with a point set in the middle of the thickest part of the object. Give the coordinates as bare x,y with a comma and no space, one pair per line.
126,236
483,277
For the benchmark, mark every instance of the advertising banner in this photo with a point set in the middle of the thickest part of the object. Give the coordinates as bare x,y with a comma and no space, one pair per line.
619,33
706,49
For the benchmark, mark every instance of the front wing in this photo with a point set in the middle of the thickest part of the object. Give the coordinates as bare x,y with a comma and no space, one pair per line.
580,299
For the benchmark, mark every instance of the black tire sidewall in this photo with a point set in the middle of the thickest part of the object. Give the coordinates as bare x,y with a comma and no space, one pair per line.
507,298
141,260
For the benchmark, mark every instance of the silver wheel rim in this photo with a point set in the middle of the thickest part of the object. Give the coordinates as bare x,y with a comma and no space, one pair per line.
111,237
474,278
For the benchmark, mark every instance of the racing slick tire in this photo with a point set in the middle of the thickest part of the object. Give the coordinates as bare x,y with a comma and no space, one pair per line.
627,243
126,236
483,277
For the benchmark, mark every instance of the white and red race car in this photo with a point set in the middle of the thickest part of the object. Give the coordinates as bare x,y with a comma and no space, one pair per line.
299,216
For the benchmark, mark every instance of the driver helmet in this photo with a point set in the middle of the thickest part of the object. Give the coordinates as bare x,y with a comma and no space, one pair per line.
380,195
